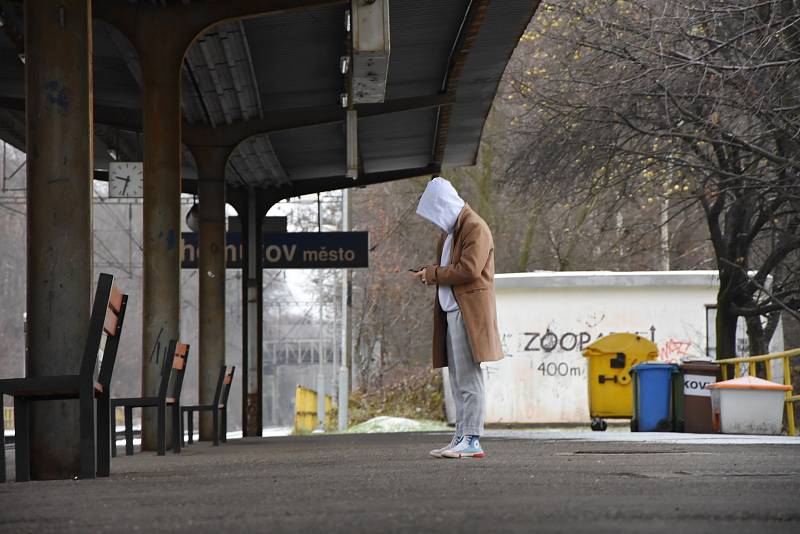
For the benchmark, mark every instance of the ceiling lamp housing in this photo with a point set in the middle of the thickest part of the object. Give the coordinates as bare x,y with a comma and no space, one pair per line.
370,50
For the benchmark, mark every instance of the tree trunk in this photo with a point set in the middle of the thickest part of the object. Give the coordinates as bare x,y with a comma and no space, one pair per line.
757,338
726,333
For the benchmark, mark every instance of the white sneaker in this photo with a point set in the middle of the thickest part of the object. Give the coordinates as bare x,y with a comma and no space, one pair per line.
469,447
437,453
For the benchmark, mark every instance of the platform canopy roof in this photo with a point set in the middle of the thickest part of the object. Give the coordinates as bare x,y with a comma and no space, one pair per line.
278,78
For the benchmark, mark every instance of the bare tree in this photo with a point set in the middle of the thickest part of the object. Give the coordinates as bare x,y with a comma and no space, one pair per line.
392,316
693,107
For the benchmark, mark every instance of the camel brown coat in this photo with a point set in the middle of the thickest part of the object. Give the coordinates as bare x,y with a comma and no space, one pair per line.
471,275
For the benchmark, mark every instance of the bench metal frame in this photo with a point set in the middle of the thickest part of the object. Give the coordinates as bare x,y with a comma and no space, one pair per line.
175,367
218,408
107,317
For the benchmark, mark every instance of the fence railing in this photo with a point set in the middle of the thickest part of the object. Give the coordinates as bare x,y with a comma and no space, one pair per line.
751,361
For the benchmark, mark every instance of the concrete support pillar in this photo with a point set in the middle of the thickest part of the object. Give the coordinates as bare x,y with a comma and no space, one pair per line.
59,132
161,67
252,206
211,271
252,315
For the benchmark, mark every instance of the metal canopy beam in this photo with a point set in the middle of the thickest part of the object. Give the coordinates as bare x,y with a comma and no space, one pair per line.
470,26
184,23
334,183
117,117
315,185
231,135
289,119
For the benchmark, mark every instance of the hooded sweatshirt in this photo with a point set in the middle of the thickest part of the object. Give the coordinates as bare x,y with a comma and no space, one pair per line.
441,205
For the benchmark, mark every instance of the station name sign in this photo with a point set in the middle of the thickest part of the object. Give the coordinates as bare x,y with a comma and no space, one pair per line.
295,250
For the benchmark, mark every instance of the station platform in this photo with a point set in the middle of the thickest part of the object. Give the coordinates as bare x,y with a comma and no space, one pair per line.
542,481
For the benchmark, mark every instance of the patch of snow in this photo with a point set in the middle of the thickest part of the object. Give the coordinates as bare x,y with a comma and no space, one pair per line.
385,424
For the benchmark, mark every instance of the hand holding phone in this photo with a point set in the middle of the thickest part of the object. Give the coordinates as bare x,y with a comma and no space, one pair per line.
418,273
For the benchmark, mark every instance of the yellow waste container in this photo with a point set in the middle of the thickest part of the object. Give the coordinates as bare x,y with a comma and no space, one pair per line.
610,360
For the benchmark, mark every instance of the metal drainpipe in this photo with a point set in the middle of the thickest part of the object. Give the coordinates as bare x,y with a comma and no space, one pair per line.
321,345
321,360
344,393
252,303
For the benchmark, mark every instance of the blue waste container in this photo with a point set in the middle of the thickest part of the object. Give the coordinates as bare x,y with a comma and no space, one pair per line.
652,397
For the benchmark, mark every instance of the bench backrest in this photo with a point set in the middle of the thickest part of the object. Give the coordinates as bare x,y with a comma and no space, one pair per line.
226,386
174,368
112,327
220,380
108,314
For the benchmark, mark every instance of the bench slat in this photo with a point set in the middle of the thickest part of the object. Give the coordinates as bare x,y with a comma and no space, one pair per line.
41,386
115,300
135,401
110,324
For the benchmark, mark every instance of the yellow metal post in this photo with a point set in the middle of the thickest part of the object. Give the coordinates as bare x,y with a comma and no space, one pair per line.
305,410
328,410
305,403
787,380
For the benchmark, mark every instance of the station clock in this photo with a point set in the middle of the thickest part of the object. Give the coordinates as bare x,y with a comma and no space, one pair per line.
125,179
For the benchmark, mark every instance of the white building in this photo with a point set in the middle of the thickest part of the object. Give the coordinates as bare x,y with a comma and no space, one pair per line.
547,318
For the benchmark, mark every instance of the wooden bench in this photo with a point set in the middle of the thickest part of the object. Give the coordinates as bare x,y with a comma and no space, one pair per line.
173,367
108,314
218,407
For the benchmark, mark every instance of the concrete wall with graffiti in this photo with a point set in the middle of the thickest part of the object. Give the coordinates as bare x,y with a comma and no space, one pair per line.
546,319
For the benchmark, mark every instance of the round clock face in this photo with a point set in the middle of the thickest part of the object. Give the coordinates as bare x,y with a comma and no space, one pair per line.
125,179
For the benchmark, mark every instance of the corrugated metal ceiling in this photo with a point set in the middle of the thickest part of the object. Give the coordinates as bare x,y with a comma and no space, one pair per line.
243,70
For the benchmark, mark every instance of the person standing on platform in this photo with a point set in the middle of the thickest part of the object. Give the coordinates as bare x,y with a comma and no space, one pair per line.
464,312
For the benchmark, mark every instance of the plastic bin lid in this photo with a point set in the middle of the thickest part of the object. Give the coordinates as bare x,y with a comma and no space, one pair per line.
699,366
655,365
749,382
621,342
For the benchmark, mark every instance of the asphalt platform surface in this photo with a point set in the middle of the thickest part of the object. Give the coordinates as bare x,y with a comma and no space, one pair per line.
388,483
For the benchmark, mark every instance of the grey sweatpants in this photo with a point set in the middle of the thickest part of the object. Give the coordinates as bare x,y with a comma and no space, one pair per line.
466,378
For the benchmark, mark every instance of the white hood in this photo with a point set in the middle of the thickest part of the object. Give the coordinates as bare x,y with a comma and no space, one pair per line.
440,204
